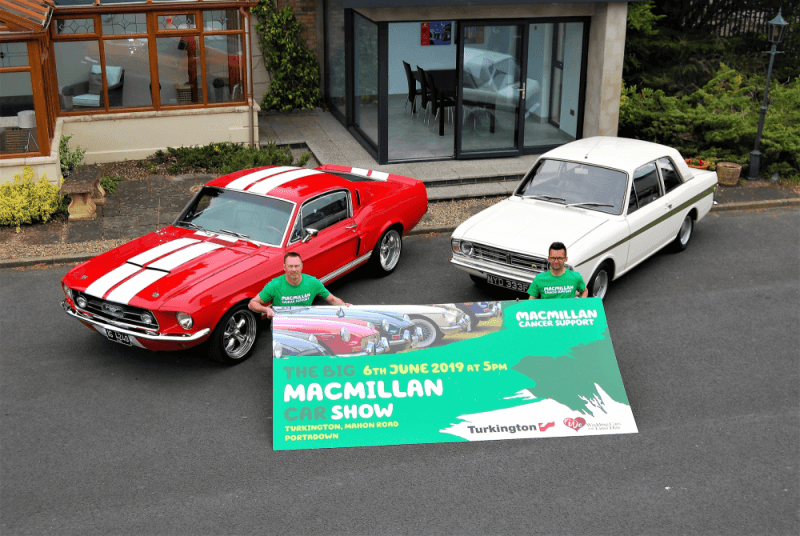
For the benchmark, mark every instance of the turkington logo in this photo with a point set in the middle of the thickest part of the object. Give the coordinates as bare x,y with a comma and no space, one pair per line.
541,319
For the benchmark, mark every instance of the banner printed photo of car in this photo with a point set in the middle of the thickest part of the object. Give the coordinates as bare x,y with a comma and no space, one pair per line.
528,369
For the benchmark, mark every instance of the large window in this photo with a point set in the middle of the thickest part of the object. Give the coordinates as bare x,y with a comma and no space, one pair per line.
103,60
335,53
18,132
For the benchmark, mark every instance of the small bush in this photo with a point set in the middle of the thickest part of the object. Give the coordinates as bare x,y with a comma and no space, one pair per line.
70,160
110,183
226,158
28,200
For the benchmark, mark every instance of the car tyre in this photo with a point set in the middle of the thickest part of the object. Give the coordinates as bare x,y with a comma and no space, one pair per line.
479,281
234,337
386,254
684,234
430,332
600,281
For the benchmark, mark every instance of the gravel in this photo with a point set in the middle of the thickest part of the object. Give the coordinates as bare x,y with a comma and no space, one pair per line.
21,245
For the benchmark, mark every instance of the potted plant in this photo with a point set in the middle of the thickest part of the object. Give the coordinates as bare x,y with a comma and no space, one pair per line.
698,163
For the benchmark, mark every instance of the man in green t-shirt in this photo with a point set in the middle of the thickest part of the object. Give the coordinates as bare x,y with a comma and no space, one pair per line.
557,282
292,288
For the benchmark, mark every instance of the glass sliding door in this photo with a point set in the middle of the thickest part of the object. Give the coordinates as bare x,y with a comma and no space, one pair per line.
492,88
365,72
555,65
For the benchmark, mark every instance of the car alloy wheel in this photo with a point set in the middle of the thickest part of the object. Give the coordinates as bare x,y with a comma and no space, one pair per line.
600,281
387,251
684,233
234,337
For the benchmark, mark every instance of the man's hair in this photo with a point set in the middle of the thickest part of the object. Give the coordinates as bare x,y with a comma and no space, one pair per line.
292,254
557,246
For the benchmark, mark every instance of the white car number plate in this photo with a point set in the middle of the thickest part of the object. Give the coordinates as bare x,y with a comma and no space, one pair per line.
118,337
519,286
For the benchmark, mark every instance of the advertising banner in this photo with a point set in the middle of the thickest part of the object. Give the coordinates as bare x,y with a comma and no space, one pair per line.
488,371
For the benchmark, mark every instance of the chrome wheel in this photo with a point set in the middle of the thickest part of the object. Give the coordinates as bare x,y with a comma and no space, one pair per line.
391,246
429,332
234,337
684,233
598,285
240,334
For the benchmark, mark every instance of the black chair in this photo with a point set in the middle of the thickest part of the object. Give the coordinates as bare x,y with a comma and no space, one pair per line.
424,92
438,100
413,92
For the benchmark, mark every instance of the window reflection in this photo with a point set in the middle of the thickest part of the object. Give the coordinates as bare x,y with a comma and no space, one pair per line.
224,61
179,70
18,132
366,77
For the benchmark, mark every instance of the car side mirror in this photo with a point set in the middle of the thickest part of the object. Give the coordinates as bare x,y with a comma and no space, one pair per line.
309,234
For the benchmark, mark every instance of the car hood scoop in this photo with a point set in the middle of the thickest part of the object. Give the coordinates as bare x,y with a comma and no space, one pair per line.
528,226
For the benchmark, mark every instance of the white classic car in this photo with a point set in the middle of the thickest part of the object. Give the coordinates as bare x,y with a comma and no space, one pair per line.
612,201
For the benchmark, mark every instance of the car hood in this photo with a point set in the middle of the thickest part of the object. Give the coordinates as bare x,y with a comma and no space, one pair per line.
148,271
529,226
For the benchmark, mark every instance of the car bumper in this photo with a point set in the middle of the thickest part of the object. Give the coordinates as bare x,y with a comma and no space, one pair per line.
495,311
461,324
482,269
149,341
407,340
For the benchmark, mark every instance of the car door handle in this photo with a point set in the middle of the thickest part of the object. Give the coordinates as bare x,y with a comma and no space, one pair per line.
351,226
668,207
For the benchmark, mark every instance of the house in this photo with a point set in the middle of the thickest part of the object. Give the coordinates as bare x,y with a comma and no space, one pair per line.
485,78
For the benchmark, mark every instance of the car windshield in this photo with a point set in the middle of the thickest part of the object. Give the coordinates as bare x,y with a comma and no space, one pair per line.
577,184
253,217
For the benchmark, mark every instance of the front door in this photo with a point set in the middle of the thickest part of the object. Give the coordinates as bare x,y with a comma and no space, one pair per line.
491,89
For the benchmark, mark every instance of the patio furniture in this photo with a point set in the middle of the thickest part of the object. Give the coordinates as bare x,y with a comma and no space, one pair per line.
413,91
89,93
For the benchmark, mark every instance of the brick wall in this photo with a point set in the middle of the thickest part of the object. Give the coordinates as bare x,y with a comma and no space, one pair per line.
306,12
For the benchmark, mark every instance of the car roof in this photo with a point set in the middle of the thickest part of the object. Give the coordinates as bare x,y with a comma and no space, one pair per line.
618,153
286,182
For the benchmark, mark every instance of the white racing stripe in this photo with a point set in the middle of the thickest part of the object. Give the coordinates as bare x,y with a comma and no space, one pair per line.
266,185
170,262
134,285
371,174
243,182
101,286
143,258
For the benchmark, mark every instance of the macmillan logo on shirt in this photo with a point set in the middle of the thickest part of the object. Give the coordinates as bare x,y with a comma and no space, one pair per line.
291,300
558,290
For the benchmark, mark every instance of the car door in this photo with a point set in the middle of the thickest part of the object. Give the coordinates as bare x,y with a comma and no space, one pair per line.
674,197
335,243
645,208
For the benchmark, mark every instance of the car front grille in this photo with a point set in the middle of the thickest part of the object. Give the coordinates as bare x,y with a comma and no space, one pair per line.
509,258
117,313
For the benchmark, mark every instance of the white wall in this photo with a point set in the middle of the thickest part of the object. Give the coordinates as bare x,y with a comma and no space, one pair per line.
404,45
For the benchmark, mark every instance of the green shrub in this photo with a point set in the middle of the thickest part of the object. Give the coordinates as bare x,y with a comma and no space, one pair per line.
719,121
110,183
226,157
70,160
28,200
294,68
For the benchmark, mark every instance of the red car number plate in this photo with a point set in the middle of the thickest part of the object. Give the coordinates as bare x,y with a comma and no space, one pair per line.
519,286
118,337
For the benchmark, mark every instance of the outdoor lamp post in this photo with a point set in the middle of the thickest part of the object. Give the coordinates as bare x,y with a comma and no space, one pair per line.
777,31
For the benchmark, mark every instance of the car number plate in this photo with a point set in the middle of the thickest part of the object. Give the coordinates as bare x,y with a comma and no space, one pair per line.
116,336
512,284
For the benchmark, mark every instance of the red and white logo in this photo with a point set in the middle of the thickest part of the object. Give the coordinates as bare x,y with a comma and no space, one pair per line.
575,424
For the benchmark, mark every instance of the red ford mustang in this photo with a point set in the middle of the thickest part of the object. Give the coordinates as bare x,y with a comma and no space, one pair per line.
190,282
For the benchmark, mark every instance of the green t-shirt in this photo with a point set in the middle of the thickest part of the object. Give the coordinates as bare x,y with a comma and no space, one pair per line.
547,286
282,294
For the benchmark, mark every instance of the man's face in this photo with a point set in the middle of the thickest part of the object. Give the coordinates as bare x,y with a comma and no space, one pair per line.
557,259
293,267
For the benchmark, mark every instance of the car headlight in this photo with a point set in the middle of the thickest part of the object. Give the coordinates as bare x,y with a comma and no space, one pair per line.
345,334
277,349
185,320
313,339
147,319
406,317
456,245
81,302
67,290
385,325
467,249
370,325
